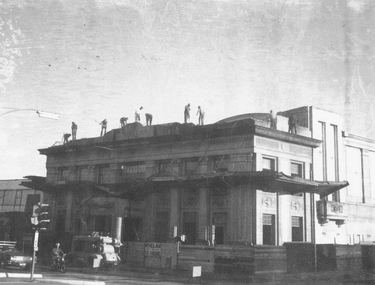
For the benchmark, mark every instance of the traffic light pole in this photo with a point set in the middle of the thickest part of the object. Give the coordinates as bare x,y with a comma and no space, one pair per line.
35,249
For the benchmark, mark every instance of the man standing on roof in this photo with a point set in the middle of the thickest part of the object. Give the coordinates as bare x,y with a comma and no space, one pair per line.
74,131
138,115
104,127
200,112
187,113
273,120
66,138
148,119
292,122
123,121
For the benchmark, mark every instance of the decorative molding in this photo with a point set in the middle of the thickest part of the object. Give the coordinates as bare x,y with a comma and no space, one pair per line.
268,202
337,208
296,205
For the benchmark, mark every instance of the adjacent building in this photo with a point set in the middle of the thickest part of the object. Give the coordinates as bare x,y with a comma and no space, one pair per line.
233,182
16,203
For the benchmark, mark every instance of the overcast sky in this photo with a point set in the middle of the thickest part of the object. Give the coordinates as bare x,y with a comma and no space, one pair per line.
90,60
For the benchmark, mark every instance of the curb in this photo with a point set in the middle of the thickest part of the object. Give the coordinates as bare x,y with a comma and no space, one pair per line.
19,275
70,281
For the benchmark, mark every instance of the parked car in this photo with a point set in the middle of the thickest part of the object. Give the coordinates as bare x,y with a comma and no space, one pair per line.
11,257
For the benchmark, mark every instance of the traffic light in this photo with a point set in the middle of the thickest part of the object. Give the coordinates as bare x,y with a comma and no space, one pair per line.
43,217
183,237
40,216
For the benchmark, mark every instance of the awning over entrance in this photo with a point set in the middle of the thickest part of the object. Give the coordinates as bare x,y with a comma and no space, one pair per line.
39,183
267,181
294,185
278,182
130,189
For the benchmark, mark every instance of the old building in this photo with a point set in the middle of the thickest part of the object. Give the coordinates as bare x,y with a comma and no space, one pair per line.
233,182
16,203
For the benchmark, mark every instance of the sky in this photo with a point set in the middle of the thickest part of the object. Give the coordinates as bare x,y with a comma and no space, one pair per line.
90,60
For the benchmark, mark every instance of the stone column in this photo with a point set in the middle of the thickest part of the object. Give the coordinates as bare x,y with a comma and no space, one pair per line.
203,214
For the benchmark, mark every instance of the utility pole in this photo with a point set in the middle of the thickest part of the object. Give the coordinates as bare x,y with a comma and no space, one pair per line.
39,220
35,249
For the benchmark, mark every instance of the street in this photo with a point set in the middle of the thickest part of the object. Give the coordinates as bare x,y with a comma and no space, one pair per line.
76,276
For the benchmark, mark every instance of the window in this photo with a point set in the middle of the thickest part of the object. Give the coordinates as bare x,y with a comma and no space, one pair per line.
269,229
269,163
190,166
83,174
163,166
296,169
333,159
220,220
372,177
103,174
297,228
63,174
354,173
189,227
133,168
220,163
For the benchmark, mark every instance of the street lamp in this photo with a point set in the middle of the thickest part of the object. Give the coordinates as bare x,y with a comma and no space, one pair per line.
48,115
41,114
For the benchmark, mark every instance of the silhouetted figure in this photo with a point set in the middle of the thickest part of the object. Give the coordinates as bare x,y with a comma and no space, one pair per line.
66,138
138,114
123,121
273,120
74,131
187,113
292,122
148,119
200,112
104,127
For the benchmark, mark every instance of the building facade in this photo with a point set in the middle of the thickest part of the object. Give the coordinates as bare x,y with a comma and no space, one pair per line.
233,182
16,202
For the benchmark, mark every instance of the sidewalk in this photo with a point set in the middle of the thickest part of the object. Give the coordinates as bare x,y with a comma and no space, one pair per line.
158,275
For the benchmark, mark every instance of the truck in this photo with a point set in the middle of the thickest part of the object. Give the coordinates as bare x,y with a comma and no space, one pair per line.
94,251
